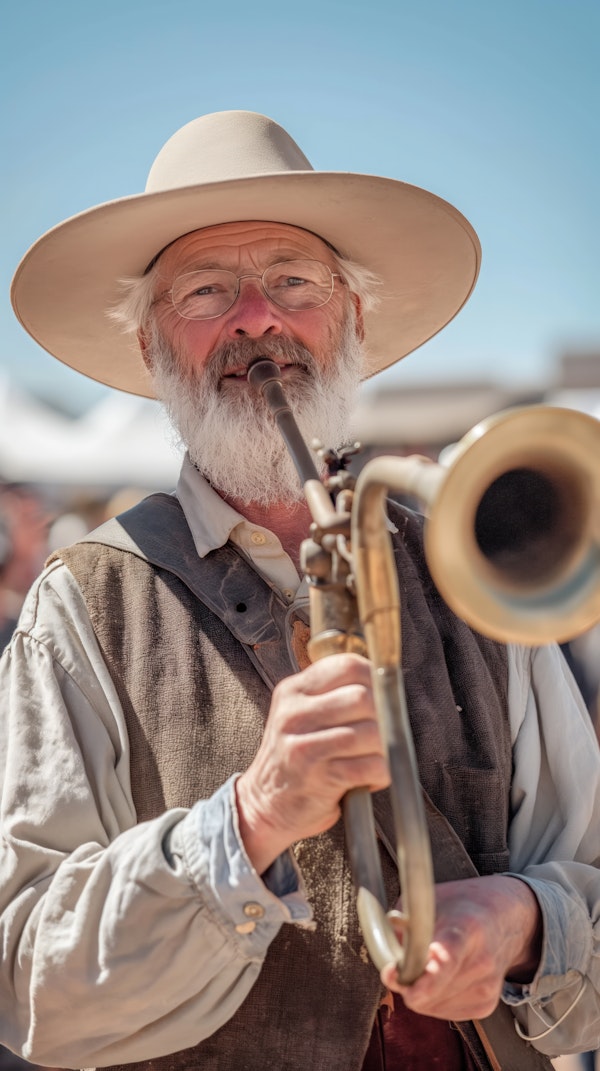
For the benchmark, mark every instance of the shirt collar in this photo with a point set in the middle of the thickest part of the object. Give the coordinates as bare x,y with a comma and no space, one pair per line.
211,520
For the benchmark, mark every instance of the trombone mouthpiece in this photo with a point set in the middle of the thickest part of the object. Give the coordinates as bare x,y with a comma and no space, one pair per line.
263,370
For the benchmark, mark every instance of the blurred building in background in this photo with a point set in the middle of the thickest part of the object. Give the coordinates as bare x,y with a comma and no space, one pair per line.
427,417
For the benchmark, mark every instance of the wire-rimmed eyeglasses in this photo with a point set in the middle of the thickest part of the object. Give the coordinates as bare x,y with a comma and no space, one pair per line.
294,285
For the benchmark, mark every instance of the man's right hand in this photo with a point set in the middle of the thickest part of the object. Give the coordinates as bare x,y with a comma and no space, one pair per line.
321,739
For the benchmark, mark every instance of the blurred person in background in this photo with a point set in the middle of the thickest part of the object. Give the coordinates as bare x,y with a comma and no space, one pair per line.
24,518
9,607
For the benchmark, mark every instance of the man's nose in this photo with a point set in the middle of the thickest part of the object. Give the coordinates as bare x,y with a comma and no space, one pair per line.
253,314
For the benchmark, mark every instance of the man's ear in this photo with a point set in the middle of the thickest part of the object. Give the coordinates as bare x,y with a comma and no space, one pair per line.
144,349
359,319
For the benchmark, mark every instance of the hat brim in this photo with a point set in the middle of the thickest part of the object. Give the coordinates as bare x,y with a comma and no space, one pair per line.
425,251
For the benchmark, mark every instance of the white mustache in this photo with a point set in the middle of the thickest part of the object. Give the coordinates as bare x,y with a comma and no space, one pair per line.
238,355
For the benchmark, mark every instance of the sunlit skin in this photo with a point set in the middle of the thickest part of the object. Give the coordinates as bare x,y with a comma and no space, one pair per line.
321,737
247,248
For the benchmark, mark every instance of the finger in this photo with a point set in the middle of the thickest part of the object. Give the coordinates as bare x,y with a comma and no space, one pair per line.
451,987
347,705
438,971
296,712
368,771
340,757
464,998
332,672
343,741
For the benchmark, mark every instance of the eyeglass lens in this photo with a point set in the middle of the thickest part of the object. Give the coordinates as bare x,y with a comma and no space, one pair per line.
292,284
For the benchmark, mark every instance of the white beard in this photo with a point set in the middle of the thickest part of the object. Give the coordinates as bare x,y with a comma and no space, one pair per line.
232,437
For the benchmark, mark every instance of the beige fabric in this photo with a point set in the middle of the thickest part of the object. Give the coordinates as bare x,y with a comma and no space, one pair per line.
234,166
202,679
555,801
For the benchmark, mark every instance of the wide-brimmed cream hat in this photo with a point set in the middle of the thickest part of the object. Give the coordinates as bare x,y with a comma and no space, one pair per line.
233,166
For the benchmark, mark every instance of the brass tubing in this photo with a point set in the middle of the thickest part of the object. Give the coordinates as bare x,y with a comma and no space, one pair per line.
378,597
416,921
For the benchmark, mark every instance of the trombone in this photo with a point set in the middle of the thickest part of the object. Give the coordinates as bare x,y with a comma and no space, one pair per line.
512,542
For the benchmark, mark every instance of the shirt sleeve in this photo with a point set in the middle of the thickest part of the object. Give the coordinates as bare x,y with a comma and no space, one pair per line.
150,934
554,842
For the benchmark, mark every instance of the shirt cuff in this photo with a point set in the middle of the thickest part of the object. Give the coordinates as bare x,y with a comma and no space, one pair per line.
566,949
208,843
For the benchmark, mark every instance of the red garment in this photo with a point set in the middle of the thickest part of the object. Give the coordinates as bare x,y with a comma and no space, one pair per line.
404,1041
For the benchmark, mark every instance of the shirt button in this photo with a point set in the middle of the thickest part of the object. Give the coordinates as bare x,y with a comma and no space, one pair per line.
253,910
245,927
258,538
288,593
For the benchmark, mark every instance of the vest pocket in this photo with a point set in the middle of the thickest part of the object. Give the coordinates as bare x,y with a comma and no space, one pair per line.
475,803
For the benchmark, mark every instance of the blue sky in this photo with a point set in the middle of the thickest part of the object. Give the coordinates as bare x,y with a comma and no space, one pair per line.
493,106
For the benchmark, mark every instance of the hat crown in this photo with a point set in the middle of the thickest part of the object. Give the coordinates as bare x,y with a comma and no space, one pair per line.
224,146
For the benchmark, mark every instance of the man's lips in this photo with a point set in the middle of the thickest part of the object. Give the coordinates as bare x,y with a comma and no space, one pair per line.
241,373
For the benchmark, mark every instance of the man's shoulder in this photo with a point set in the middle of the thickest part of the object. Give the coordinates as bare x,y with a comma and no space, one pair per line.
52,604
156,520
153,515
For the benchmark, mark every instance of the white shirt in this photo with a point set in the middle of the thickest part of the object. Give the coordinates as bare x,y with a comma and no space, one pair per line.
123,941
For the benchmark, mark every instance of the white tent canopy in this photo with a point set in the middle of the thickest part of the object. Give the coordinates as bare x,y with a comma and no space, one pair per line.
123,440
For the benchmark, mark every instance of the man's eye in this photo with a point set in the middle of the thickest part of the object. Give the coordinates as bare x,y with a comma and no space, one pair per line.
203,291
206,290
290,280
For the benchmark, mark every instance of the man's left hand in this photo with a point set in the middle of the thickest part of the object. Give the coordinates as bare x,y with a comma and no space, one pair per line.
487,930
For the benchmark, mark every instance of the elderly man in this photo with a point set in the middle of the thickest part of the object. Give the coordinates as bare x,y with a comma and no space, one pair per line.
174,878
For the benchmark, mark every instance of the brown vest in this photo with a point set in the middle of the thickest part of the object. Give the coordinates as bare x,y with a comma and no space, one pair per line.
314,1003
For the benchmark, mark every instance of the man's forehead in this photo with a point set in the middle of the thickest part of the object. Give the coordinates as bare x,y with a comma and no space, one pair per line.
240,235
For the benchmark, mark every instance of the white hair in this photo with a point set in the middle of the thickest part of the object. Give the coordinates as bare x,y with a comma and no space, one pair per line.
231,436
132,310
